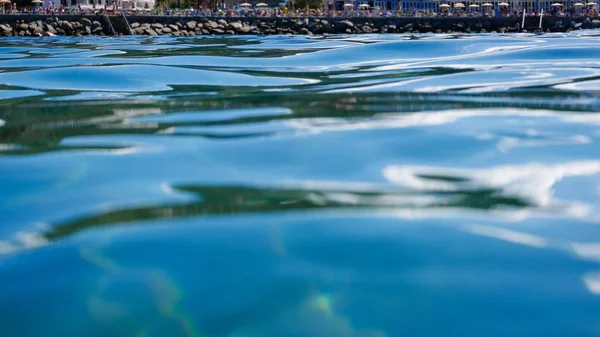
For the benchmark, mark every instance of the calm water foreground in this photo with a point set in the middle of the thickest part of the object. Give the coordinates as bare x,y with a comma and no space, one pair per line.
362,186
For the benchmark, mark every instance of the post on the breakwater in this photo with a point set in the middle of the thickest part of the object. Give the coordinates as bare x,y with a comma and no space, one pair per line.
523,23
541,17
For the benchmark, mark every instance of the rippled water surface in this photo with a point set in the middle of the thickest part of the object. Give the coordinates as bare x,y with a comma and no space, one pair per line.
361,186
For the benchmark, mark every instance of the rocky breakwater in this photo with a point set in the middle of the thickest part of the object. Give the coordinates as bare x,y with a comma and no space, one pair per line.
53,26
258,27
305,26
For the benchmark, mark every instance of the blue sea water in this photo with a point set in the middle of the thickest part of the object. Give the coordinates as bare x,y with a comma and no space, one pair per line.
285,186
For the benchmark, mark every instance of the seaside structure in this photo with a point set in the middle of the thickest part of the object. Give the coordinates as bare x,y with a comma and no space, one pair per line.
89,4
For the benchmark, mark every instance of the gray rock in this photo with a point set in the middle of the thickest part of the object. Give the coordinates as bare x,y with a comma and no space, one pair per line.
32,26
218,31
191,24
86,22
212,25
6,28
60,31
236,26
367,29
22,33
191,33
223,23
174,28
150,32
97,30
158,31
87,30
184,32
305,31
23,26
134,25
139,31
157,26
595,23
38,30
145,25
167,30
67,26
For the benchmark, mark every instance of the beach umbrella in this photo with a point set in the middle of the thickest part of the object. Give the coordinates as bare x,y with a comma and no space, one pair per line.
487,4
364,6
556,4
474,6
245,4
348,6
579,4
459,5
444,6
4,2
503,4
262,4
37,1
591,4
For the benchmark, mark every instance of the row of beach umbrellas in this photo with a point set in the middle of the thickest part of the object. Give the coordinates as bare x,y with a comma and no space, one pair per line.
504,4
261,4
461,5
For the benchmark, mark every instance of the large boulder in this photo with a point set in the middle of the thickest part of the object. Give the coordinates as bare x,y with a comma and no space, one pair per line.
237,26
157,26
587,23
150,32
222,23
191,24
174,28
85,22
50,29
67,26
6,28
134,25
167,30
212,25
595,23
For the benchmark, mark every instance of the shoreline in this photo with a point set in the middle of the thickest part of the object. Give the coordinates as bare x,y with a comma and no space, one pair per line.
114,25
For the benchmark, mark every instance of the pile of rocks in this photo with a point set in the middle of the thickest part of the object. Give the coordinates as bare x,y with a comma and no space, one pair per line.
265,26
193,27
52,27
255,27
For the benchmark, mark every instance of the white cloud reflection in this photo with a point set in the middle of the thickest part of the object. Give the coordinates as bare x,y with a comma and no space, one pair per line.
435,118
533,182
507,235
